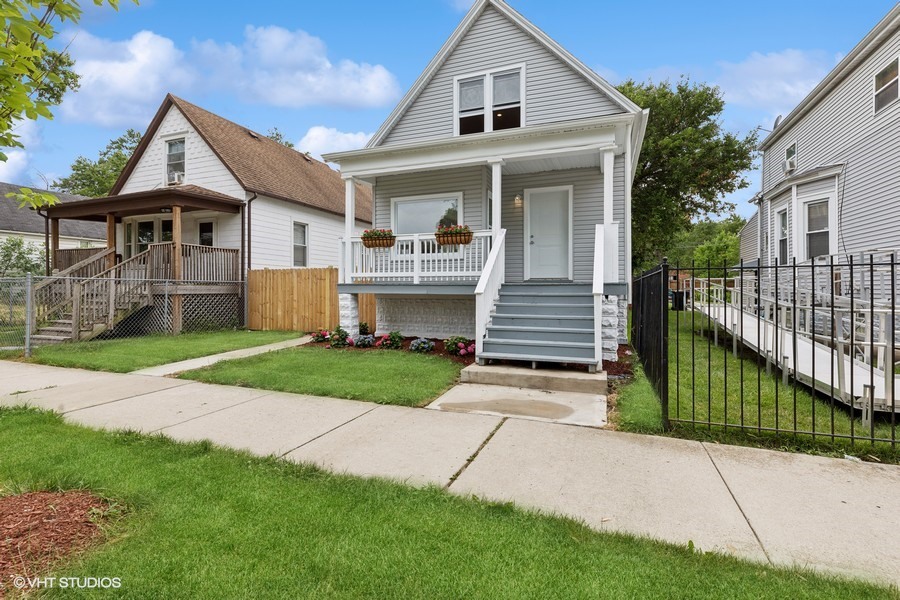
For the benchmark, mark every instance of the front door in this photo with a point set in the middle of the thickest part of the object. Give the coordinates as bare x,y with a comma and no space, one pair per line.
548,233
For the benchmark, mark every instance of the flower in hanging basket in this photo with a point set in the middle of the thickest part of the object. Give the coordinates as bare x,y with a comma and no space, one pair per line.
378,238
453,235
452,229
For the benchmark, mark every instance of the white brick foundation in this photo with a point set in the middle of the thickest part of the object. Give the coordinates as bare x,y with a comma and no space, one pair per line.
610,325
349,309
437,318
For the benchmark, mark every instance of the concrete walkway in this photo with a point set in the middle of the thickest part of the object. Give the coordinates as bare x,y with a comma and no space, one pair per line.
786,509
205,361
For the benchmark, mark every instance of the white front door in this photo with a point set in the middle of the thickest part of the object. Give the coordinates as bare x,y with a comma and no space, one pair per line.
548,233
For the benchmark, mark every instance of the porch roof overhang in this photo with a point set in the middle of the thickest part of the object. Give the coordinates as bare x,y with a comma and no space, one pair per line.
188,198
576,144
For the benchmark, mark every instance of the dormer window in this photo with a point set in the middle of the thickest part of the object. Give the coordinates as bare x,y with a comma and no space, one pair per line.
489,101
886,86
175,161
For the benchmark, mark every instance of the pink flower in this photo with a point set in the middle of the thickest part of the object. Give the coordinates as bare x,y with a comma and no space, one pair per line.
471,348
461,346
328,347
378,344
350,341
462,352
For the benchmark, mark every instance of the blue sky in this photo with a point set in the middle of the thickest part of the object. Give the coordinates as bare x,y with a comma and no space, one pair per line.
327,74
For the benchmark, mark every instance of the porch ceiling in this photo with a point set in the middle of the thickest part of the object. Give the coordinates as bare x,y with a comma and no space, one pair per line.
553,163
188,197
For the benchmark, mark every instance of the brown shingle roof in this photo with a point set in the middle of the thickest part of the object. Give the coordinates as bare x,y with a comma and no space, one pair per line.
24,220
261,165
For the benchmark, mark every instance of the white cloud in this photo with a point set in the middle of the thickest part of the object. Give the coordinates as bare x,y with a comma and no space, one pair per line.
122,82
321,140
291,69
773,82
13,170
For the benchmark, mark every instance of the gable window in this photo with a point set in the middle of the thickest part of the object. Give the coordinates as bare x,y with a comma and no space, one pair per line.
301,245
817,229
782,217
175,161
489,102
886,82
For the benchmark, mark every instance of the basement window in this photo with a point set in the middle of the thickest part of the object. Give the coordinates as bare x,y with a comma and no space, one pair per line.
489,102
886,86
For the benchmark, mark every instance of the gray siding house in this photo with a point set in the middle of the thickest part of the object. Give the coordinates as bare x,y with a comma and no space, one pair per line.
830,168
508,133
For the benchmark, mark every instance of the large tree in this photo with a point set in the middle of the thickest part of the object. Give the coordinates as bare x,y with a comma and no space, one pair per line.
95,178
681,251
33,77
688,163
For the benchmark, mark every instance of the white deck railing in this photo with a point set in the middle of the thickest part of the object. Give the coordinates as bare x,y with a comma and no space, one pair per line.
487,292
417,258
599,280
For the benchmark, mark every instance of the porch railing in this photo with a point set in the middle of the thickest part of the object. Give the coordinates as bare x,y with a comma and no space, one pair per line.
487,292
63,259
418,258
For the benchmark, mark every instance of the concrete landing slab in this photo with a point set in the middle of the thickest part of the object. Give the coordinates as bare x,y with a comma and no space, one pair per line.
553,407
205,361
154,411
558,380
662,488
818,512
272,424
101,389
415,446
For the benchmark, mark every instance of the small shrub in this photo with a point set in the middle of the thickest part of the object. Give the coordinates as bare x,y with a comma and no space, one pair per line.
364,329
340,338
422,346
322,335
459,346
365,341
391,341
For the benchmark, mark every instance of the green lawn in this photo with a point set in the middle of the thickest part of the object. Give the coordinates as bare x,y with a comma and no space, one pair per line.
382,376
695,395
207,523
131,354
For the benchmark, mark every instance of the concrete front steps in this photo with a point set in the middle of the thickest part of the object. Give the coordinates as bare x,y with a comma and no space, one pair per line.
542,323
549,380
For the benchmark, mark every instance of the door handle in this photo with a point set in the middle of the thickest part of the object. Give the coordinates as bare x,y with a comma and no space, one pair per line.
532,242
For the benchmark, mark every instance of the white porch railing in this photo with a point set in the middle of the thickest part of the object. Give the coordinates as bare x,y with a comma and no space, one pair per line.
417,258
488,290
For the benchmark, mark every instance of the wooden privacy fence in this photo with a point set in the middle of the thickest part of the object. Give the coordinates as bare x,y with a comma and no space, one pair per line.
299,300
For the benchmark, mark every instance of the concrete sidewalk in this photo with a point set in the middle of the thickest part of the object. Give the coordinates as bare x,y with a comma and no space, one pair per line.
786,509
205,361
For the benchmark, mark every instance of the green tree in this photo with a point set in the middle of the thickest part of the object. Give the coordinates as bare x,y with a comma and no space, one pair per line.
95,178
719,253
275,134
681,251
33,78
688,163
18,258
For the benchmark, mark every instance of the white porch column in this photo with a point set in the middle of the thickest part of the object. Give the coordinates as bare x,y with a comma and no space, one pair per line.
496,196
349,226
608,176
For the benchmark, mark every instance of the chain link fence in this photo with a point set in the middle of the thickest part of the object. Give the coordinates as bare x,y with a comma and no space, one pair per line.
53,310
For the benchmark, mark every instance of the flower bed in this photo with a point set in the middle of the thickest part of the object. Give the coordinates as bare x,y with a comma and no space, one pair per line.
449,349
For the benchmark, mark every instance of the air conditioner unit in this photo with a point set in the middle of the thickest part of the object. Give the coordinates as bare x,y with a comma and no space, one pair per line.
176,178
788,165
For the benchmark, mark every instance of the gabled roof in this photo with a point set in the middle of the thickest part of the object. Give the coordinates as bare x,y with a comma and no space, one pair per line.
542,38
873,40
259,164
24,220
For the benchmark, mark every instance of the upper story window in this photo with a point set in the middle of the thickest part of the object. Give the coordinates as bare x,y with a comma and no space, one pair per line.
790,152
489,101
782,237
175,161
886,90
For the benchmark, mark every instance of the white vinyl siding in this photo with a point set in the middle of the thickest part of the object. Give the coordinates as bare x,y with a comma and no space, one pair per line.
554,92
750,239
205,169
470,181
843,129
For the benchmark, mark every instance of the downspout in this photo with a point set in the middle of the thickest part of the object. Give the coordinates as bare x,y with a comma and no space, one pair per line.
245,272
250,232
46,241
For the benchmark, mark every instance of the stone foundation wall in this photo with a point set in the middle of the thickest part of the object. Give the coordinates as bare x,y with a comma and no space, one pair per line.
437,318
348,305
623,320
610,324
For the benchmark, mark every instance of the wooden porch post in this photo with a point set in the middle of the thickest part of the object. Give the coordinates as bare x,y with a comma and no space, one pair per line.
54,242
177,314
111,240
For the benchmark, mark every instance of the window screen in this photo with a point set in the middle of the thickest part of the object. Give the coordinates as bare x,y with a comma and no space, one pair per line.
300,245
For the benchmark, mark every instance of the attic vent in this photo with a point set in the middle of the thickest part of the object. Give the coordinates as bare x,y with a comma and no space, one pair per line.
253,135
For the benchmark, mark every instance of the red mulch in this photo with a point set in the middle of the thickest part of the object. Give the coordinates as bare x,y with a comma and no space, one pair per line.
439,350
623,365
39,528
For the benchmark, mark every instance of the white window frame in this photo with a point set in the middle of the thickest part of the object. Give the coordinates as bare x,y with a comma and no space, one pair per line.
794,146
294,244
460,216
876,91
804,206
786,238
131,249
164,140
489,95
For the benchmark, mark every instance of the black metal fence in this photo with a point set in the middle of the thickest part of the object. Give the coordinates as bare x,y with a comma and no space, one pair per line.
802,351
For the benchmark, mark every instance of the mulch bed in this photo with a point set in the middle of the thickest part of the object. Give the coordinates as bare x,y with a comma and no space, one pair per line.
439,350
39,528
623,366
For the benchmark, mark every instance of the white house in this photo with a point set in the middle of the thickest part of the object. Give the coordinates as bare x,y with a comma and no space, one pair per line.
829,174
31,226
508,133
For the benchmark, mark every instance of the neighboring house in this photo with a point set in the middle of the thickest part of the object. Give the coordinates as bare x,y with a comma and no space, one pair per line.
229,188
506,132
830,168
750,244
31,226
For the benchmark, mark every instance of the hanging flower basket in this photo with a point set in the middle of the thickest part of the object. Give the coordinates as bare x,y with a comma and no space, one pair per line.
378,238
457,235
